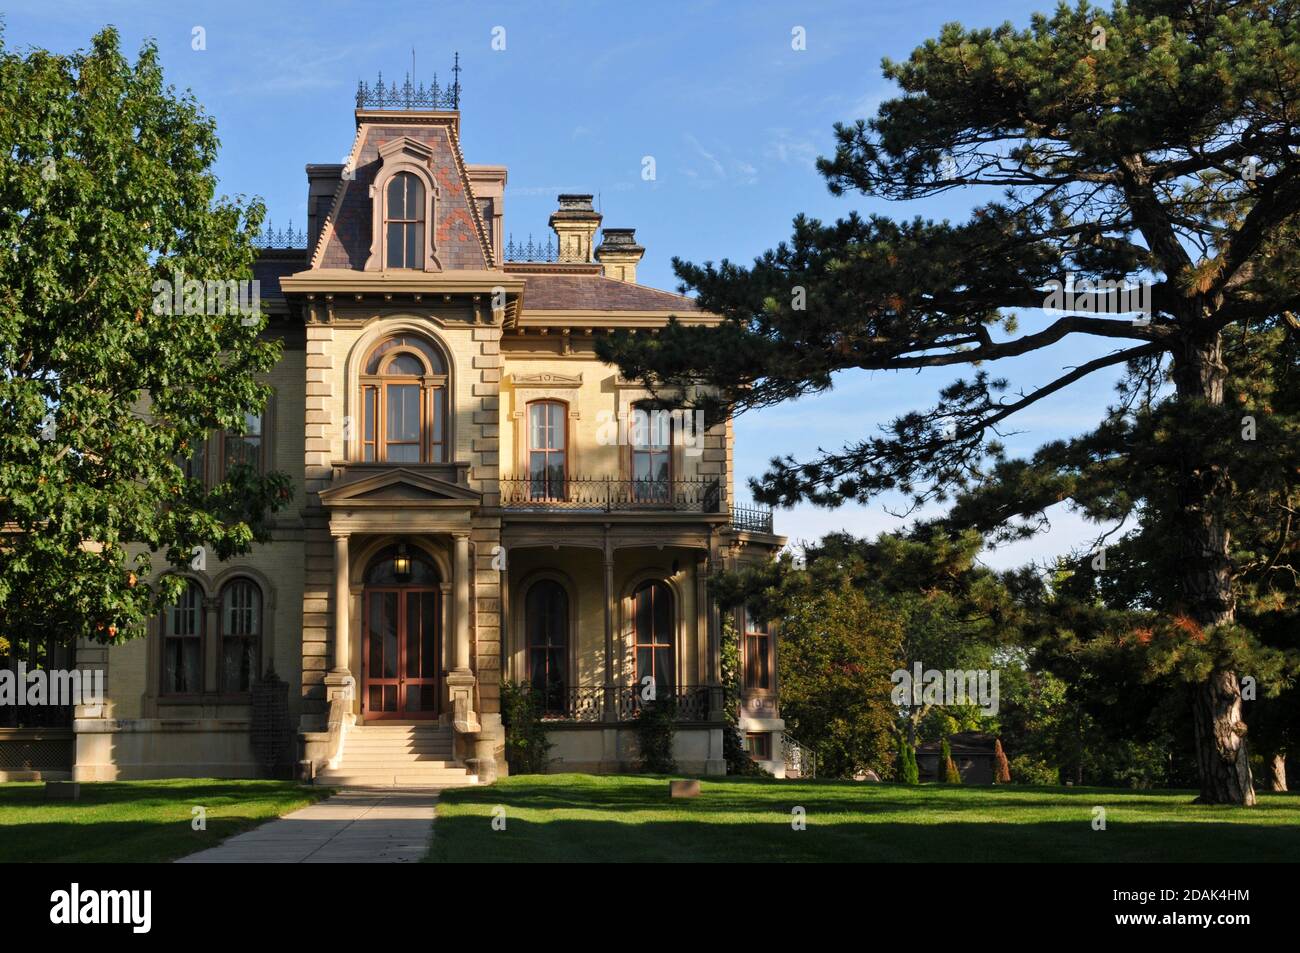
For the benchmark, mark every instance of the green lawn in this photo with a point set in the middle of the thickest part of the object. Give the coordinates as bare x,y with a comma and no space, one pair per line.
132,821
631,818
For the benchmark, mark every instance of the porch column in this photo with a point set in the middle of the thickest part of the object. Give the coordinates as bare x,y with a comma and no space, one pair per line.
460,681
713,627
611,697
342,599
461,661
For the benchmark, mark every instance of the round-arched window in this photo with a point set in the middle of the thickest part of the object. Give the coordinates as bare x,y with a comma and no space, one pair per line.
404,402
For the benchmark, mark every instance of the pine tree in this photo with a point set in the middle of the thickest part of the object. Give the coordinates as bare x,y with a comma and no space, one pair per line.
908,773
950,773
1001,769
1150,144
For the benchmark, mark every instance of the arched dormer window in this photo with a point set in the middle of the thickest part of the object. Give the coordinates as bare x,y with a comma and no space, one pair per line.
404,402
404,222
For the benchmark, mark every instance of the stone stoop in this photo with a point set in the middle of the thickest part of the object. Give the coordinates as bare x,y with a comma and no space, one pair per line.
398,756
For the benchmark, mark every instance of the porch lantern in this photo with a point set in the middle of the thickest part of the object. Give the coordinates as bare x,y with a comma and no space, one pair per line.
402,563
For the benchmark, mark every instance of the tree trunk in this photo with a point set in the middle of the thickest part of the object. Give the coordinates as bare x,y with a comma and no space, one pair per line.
1277,771
1222,754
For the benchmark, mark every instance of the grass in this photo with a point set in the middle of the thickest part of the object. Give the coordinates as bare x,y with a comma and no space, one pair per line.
137,821
631,818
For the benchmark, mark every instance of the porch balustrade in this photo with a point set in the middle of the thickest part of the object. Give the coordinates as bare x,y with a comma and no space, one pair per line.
590,703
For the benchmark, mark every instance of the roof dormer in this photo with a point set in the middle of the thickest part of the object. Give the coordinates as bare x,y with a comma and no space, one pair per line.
403,199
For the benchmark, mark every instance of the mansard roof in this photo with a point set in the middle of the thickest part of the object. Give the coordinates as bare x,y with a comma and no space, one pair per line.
459,232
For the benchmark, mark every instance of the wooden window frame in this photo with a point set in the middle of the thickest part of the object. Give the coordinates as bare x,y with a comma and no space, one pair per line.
434,387
224,635
652,497
419,221
201,636
751,636
529,449
225,435
565,634
638,645
755,739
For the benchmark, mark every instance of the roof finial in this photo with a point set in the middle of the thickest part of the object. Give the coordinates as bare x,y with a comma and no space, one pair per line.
455,86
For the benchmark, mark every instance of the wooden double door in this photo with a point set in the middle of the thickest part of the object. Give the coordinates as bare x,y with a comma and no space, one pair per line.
402,645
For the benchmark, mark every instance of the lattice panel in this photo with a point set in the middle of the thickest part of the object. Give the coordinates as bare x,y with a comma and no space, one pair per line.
45,754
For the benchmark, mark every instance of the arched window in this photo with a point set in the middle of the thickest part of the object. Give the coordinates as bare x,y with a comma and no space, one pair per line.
404,402
403,221
547,450
182,655
650,431
546,621
241,635
652,626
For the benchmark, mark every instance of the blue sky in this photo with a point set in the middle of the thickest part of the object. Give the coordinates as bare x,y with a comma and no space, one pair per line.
582,92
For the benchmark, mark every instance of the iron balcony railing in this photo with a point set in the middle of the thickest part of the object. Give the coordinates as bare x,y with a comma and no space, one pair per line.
591,703
606,495
751,519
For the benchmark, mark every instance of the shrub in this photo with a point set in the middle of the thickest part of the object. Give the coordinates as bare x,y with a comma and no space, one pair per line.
527,749
1028,770
908,772
950,773
1001,770
655,726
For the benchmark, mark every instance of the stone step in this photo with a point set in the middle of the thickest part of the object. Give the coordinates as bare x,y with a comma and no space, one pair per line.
364,778
435,760
396,743
403,729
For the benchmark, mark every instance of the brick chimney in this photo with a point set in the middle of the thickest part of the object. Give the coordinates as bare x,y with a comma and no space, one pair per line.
619,253
575,223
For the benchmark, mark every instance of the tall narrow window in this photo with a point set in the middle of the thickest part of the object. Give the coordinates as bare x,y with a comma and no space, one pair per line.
195,466
182,655
241,635
404,222
404,403
758,648
546,620
546,450
650,431
652,623
244,449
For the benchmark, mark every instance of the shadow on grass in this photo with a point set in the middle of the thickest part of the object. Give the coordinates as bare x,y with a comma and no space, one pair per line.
468,838
121,822
632,818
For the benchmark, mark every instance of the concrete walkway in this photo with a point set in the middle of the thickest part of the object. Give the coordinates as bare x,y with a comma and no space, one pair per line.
353,827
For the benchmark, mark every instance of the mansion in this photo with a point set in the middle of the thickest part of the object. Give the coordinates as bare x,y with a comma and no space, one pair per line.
479,501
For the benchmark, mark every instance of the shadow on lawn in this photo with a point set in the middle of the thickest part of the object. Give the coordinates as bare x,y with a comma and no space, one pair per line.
103,841
130,822
748,796
467,838
32,795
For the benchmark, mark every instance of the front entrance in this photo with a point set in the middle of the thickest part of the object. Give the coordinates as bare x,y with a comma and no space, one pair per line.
401,640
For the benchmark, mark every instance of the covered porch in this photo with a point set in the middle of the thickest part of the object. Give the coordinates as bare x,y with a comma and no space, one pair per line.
604,618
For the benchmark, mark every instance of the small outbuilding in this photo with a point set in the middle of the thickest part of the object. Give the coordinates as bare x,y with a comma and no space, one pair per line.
972,751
